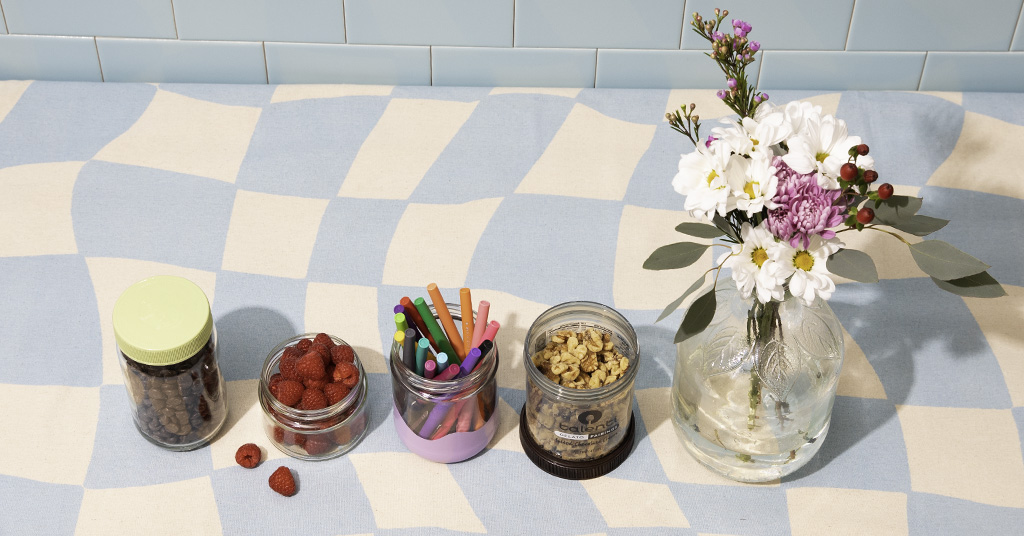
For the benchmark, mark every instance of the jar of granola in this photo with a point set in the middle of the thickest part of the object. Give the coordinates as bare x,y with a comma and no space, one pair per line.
581,360
167,349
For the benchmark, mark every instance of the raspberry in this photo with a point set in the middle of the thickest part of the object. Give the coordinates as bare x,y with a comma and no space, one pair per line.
289,392
310,367
316,445
324,339
313,399
316,384
275,379
335,392
342,354
304,345
288,438
248,455
287,367
282,481
344,373
322,351
291,350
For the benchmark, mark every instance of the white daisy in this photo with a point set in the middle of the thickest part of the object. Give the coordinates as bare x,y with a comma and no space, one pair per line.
823,147
805,268
749,261
704,179
758,187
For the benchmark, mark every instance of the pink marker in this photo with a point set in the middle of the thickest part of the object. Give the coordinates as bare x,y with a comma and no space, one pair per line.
448,373
492,330
481,322
465,420
429,369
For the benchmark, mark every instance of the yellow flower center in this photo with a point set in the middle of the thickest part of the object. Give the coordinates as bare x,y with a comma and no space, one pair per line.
803,261
711,176
749,189
820,157
755,142
759,255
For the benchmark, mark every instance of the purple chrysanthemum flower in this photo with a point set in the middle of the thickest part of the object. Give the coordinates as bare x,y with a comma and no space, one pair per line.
804,208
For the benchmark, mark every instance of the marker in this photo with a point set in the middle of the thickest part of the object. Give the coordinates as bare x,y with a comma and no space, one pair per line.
466,303
449,420
400,322
409,349
400,337
492,330
421,355
481,322
437,414
399,309
428,318
441,308
412,314
470,362
442,361
465,422
428,369
448,374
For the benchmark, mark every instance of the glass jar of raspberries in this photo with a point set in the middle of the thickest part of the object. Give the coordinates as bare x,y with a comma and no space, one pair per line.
167,349
313,393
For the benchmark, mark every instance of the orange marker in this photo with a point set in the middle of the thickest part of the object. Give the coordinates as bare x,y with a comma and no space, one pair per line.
411,312
446,321
466,301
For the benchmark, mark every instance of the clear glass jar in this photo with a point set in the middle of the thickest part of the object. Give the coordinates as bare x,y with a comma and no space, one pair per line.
753,392
579,433
445,421
318,434
167,350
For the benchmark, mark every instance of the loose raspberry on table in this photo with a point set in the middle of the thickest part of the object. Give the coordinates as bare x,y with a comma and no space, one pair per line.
282,481
324,339
289,392
313,399
310,367
342,354
336,392
248,455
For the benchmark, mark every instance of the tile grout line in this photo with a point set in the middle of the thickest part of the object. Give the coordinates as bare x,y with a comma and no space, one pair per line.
430,57
1013,36
923,64
266,69
682,28
4,15
514,2
849,29
344,18
99,62
595,68
174,19
760,67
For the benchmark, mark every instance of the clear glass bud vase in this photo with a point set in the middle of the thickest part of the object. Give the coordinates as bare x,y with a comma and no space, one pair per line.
753,392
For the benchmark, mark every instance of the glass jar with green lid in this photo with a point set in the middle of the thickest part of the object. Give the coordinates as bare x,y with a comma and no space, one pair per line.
167,348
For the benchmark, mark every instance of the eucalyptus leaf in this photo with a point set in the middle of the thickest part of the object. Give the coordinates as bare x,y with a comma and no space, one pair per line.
980,285
897,208
700,230
698,316
920,225
943,261
678,301
678,255
853,264
725,227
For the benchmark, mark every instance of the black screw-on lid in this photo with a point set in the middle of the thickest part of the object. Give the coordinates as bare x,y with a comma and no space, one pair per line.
575,470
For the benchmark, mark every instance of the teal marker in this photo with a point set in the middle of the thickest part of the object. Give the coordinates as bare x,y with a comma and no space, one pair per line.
435,330
422,351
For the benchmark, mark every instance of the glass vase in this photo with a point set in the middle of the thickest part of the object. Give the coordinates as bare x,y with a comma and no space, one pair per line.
753,392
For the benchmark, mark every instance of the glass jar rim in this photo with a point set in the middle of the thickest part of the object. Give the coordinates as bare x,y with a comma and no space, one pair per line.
355,397
551,388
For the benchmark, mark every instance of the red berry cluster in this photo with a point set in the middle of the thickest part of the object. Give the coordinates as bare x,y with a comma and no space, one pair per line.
858,180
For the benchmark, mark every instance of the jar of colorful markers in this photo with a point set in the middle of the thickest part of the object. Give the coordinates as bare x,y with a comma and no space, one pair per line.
445,415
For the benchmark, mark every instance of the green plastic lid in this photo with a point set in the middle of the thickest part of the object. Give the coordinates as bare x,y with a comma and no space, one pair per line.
162,320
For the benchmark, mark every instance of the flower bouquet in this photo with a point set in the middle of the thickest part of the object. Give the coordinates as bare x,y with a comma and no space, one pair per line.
779,184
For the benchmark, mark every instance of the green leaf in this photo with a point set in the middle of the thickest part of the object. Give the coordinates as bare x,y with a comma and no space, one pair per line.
853,264
678,301
678,255
698,316
897,208
943,261
980,285
725,227
700,230
920,225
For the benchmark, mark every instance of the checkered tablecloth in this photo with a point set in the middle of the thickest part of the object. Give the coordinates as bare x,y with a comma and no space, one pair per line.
315,208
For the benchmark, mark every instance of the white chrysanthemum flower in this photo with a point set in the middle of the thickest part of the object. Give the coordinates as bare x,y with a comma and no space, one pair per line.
754,137
805,268
758,187
823,146
749,262
704,179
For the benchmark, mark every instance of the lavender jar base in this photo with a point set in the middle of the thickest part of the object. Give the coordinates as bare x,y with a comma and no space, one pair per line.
450,448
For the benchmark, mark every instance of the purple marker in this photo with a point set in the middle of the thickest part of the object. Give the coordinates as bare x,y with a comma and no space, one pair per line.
470,362
429,368
399,309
